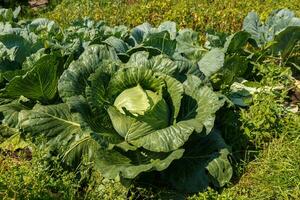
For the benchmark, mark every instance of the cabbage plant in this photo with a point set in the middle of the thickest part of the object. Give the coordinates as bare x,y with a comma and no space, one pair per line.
142,116
128,102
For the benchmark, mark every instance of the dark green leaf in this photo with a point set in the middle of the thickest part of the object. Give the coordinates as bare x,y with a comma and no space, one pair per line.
204,163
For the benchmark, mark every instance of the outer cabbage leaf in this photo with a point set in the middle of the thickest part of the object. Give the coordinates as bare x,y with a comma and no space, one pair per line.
235,42
204,163
200,104
62,129
164,64
113,163
82,145
156,43
54,121
215,39
96,93
234,66
39,84
96,123
94,117
41,25
188,45
23,46
11,108
277,22
119,45
211,62
141,32
160,63
286,41
142,134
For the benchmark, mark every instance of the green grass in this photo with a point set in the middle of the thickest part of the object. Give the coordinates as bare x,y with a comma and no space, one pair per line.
26,176
275,174
226,16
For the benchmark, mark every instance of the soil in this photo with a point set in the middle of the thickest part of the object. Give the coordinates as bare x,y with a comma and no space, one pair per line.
38,3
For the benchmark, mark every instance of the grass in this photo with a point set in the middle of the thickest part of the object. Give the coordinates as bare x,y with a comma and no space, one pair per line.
275,174
23,177
39,177
226,16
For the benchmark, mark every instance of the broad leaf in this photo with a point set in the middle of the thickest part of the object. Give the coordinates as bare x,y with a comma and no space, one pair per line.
23,47
119,45
277,22
81,146
188,45
286,41
55,122
112,163
204,163
236,42
142,134
39,84
175,93
235,66
155,44
211,62
11,109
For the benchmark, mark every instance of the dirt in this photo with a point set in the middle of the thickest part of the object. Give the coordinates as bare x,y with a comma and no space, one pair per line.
38,3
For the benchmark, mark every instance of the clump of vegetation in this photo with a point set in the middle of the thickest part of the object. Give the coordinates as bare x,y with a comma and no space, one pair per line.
200,15
24,178
42,177
265,119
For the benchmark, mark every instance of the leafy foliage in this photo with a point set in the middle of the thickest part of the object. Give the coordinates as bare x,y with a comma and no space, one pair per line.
27,176
131,101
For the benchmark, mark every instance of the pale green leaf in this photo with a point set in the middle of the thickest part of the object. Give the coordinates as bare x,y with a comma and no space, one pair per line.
211,62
